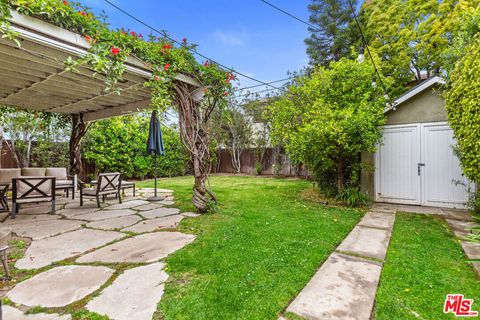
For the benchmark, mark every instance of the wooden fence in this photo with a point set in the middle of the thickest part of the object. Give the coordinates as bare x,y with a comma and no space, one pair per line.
274,163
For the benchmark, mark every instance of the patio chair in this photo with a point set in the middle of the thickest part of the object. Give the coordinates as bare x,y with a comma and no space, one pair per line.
128,185
64,181
106,184
32,190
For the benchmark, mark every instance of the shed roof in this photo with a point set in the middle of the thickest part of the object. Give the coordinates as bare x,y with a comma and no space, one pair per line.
415,91
33,76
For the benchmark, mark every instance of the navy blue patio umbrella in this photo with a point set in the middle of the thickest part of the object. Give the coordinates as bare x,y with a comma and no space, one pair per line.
155,147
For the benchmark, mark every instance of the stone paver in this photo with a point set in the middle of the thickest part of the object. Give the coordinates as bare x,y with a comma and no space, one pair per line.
75,212
43,228
127,205
155,224
43,252
149,206
378,220
115,223
367,242
343,288
10,313
472,249
60,286
158,213
457,214
459,225
167,202
133,295
149,247
105,214
30,218
191,214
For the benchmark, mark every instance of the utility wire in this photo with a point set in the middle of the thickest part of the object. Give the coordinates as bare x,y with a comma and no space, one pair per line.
181,44
364,41
253,93
260,85
291,15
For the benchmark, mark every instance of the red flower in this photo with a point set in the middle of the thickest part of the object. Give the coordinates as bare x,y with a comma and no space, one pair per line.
88,38
184,40
65,2
166,67
133,33
206,63
167,47
115,51
156,78
82,13
225,93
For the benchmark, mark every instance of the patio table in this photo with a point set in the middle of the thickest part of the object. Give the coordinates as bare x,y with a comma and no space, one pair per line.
3,197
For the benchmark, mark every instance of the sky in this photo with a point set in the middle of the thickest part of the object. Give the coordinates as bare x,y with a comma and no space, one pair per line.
246,35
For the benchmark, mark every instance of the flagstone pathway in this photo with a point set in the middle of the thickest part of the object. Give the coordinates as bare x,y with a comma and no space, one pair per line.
79,248
345,285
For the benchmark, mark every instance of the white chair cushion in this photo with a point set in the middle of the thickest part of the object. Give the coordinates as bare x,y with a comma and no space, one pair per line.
58,173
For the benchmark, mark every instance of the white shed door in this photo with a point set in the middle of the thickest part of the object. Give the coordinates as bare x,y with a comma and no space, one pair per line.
416,164
396,169
443,184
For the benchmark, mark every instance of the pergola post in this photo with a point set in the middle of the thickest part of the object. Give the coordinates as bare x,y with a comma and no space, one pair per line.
79,128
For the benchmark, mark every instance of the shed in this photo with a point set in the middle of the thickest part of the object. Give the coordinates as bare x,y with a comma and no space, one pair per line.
416,162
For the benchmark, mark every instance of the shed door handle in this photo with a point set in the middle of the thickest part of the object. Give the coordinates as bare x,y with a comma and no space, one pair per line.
419,166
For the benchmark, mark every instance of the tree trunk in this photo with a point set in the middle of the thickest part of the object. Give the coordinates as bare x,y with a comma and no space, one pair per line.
79,128
340,175
1,145
194,121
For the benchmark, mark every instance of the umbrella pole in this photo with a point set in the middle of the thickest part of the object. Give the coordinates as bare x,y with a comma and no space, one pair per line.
156,174
156,197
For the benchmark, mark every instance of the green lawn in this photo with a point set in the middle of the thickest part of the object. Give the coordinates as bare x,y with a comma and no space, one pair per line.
252,257
424,264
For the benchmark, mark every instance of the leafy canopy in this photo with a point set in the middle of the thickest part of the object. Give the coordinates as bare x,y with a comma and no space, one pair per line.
412,36
335,34
330,117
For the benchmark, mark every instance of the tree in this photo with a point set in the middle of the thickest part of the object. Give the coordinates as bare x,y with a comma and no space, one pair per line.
328,118
29,131
334,34
411,36
233,131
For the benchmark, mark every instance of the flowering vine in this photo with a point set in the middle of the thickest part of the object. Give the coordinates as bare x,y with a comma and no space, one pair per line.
109,49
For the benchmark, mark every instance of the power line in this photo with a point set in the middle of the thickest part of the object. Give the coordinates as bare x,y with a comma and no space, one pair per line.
256,92
260,85
291,15
181,44
364,41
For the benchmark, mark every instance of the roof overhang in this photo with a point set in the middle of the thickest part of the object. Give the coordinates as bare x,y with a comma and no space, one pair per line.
33,75
427,84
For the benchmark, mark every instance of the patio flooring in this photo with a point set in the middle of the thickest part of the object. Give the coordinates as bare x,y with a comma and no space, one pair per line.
79,248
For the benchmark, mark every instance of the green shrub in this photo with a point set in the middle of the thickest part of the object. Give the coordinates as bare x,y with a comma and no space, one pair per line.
353,197
119,144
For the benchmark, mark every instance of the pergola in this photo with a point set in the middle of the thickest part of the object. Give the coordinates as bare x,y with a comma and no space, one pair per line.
33,76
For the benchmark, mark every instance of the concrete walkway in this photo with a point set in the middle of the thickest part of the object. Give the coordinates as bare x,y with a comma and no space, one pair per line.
109,259
345,285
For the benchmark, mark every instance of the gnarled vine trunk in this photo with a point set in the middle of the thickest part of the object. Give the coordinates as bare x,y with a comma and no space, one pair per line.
79,128
195,128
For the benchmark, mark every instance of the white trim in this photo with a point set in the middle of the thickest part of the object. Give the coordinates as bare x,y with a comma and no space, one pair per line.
415,90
